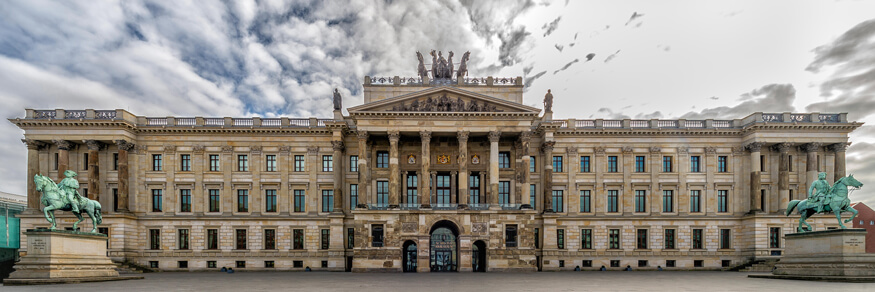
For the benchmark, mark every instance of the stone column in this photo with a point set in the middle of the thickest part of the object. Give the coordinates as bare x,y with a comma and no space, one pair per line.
839,149
810,164
364,170
123,175
93,169
548,175
64,147
433,188
403,198
783,175
463,169
394,172
525,184
314,194
755,174
482,199
33,196
425,197
453,187
494,136
337,160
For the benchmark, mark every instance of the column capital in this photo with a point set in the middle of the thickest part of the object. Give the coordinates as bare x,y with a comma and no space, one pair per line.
710,150
337,145
312,150
599,150
425,135
63,144
811,147
285,149
782,147
572,151
754,146
227,148
198,148
494,136
463,136
394,136
169,148
361,134
839,147
655,149
93,145
526,136
33,144
548,146
124,145
627,149
433,172
454,172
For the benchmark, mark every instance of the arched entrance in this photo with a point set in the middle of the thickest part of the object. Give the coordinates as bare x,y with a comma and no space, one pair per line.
478,257
444,247
408,257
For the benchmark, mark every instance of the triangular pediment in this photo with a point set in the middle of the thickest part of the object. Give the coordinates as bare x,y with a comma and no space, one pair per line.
444,99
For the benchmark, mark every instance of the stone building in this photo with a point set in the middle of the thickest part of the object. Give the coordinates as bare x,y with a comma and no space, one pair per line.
437,175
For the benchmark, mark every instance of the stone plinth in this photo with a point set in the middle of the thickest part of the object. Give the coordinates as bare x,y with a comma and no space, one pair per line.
63,256
831,255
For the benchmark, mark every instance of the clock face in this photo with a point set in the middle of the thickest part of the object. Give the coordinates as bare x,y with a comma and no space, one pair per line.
443,159
475,159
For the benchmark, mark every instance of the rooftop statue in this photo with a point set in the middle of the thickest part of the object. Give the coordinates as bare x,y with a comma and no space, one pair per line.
463,68
440,68
338,100
826,199
423,73
548,102
64,196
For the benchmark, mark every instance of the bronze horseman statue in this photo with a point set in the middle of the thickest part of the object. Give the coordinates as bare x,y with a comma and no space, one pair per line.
826,199
64,196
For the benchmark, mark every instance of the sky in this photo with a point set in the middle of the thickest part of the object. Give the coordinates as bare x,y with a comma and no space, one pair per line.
602,59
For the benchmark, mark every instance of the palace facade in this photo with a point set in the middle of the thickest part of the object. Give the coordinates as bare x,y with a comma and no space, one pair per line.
441,175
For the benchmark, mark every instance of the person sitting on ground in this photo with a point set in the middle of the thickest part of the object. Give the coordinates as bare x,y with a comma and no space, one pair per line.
224,269
603,268
659,268
628,268
577,268
230,270
307,269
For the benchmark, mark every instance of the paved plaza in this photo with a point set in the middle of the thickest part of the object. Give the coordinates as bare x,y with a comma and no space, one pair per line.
488,282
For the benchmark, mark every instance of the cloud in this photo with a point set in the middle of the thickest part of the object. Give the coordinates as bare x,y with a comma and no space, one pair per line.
566,66
860,161
495,18
851,85
606,113
714,98
769,98
653,115
530,80
552,26
612,56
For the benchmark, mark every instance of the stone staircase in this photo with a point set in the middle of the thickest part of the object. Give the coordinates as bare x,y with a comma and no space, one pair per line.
761,266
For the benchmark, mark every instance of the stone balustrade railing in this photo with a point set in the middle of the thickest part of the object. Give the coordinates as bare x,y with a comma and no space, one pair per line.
704,124
89,114
427,81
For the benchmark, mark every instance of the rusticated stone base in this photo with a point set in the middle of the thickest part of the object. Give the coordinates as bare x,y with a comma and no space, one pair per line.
831,255
60,254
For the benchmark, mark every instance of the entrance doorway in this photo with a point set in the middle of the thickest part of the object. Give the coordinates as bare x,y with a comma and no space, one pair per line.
408,257
444,251
478,258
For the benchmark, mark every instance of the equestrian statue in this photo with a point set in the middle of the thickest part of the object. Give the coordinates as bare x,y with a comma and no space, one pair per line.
824,199
65,196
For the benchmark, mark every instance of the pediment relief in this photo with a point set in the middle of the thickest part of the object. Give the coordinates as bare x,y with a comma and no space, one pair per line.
444,100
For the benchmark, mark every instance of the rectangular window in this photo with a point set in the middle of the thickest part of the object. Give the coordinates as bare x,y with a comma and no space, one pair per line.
154,239
694,164
270,239
297,264
695,201
185,162
585,201
327,200
613,201
382,159
725,238
214,162
215,200
300,202
586,238
377,235
84,192
382,193
533,166
721,164
298,235
612,164
532,194
640,201
182,238
185,200
327,163
240,264
790,163
84,161
503,193
156,200
669,239
350,238
557,164
240,238
667,201
474,189
639,163
774,237
560,238
242,200
697,239
503,159
269,264
614,239
412,191
212,239
326,239
299,163
270,163
666,164
115,200
156,162
353,195
510,233
537,237
353,163
115,161
763,163
557,201
722,201
641,242
270,201
585,165
243,162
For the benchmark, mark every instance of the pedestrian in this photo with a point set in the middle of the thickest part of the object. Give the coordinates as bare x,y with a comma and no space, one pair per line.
577,269
659,268
603,268
230,270
224,269
628,268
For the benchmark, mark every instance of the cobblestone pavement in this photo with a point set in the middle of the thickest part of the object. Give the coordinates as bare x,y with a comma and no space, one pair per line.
488,282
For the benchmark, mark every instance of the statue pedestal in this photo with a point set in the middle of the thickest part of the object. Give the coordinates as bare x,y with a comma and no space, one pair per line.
60,256
830,255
